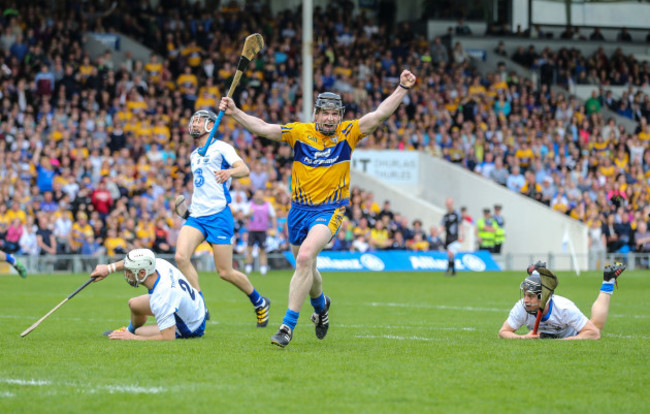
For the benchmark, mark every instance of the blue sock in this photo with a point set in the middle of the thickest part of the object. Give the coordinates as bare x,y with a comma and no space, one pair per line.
131,328
291,319
607,288
256,298
318,303
10,259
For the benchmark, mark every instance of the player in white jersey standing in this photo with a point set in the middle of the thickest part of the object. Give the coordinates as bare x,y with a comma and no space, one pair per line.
178,308
209,217
561,319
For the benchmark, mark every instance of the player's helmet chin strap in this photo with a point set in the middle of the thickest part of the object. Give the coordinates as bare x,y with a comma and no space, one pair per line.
328,101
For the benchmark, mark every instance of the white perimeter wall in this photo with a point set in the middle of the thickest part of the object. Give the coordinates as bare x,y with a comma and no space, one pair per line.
532,229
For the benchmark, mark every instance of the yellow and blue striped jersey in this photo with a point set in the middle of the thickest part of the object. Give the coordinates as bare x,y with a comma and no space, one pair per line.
320,173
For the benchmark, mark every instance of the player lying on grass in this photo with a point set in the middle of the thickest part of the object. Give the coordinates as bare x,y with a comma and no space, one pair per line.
15,263
561,318
178,308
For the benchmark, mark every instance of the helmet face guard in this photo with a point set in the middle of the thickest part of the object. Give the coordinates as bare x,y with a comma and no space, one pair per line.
137,260
328,101
532,284
198,124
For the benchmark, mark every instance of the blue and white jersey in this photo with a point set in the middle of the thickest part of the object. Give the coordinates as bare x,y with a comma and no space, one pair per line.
562,320
210,197
174,301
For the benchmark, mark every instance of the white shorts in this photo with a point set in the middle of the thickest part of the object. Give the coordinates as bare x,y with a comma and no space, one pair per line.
454,247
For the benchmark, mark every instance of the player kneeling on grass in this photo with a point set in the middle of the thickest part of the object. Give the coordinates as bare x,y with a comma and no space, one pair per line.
178,308
561,318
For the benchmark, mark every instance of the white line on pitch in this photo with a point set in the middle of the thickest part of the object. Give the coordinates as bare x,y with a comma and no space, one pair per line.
7,394
627,336
111,389
399,338
443,307
14,381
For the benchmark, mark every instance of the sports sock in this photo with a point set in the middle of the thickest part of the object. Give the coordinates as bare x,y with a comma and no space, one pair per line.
318,303
256,298
291,319
10,259
131,328
452,265
608,286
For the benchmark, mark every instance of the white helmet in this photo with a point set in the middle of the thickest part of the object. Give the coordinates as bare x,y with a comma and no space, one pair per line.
136,260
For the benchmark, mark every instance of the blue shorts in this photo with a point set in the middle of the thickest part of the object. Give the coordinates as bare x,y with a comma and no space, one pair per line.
182,332
302,219
218,228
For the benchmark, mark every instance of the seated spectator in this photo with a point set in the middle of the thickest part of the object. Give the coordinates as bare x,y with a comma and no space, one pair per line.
642,237
341,243
45,236
379,237
515,180
28,241
12,239
419,243
624,35
435,241
611,237
360,244
596,35
398,242
462,29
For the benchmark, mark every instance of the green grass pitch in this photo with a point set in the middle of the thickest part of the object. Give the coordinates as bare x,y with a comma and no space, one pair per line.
398,343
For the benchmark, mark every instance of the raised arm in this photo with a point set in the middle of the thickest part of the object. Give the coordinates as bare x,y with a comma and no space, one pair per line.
369,122
251,123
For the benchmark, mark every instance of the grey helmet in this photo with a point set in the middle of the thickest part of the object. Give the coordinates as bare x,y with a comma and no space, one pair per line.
328,101
198,124
532,284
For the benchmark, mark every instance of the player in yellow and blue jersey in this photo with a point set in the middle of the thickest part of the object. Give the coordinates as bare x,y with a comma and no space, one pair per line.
320,181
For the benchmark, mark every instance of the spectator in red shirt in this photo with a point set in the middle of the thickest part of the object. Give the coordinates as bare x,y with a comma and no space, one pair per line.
102,200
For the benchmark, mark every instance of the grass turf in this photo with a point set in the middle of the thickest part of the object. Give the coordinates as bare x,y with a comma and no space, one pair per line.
416,342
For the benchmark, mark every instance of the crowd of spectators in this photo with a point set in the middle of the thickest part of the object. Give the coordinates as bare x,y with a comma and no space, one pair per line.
91,154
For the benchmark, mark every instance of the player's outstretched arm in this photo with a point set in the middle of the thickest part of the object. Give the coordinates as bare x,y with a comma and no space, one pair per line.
251,123
102,270
369,122
146,333
507,332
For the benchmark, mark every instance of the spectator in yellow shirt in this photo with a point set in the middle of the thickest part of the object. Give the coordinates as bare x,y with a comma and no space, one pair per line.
114,244
80,230
379,237
187,81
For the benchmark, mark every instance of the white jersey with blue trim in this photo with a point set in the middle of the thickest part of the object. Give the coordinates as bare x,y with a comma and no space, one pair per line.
210,197
563,319
174,301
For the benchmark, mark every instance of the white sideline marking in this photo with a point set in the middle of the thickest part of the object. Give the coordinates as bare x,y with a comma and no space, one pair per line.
128,389
399,338
14,381
627,336
7,394
111,389
443,307
439,328
618,315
